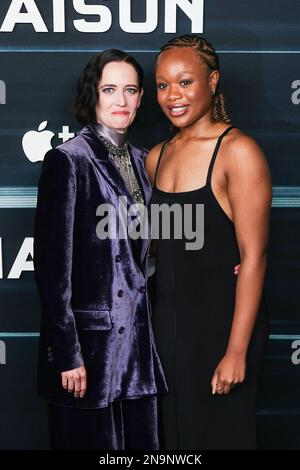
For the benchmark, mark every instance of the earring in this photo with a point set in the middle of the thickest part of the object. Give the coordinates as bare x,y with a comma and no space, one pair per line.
212,91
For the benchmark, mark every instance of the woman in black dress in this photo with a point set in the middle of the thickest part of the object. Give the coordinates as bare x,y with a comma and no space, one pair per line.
210,325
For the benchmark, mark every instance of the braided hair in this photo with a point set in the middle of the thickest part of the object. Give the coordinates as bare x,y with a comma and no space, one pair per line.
209,56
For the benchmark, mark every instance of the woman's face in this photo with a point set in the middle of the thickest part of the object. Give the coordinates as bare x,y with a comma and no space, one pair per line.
119,95
184,86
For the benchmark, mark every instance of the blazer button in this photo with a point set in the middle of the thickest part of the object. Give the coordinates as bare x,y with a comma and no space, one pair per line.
121,330
120,293
142,289
118,258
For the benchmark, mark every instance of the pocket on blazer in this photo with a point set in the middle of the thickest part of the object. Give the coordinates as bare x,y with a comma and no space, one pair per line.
93,319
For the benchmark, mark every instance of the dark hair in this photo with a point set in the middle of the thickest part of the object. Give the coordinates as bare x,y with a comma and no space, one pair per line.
209,56
87,85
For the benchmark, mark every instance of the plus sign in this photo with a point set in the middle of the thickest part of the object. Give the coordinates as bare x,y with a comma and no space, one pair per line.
65,134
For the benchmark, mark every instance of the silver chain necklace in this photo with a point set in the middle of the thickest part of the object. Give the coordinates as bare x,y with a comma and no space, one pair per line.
122,160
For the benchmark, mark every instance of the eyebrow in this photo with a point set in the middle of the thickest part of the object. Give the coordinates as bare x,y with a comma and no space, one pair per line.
114,85
179,73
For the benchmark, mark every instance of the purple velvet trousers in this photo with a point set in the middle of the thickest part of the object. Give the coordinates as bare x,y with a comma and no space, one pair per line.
123,425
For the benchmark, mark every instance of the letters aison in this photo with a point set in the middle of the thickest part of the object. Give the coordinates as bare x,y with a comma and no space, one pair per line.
27,11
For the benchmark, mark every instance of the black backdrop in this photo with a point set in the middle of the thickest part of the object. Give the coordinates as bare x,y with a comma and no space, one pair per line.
259,46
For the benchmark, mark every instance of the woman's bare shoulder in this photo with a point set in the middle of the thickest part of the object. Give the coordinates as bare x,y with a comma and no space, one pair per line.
241,149
246,166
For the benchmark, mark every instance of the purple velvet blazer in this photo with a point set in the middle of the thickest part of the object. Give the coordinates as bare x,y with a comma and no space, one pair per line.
93,292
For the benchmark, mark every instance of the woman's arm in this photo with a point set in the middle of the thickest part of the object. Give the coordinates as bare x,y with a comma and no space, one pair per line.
53,253
249,196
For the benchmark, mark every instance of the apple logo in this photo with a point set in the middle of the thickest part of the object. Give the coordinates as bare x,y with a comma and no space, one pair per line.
37,143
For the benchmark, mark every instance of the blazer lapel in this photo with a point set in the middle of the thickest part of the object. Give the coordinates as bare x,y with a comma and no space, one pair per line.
140,171
146,188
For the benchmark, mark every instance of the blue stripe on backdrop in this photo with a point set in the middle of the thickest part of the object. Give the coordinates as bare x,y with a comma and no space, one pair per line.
25,197
20,335
35,334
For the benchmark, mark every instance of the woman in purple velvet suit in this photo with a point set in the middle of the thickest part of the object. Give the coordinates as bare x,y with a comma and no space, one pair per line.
98,366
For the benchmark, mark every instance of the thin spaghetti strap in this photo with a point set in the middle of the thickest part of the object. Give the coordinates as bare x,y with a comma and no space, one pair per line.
158,161
213,158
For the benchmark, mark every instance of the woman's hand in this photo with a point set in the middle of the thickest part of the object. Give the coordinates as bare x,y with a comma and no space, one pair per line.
75,381
230,371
